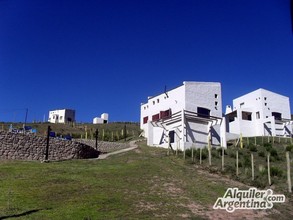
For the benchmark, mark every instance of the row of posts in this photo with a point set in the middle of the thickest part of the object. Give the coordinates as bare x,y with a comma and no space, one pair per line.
237,158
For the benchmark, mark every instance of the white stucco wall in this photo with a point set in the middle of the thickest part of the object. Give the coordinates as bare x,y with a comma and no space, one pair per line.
61,116
204,94
261,104
189,96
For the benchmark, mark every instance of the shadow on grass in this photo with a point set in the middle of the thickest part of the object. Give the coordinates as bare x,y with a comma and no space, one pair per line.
22,214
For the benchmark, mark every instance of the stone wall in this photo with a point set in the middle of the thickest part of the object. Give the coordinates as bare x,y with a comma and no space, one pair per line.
15,146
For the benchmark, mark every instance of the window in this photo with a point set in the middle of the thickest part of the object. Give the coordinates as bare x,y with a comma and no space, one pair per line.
216,96
156,117
165,114
216,103
257,115
265,98
241,104
277,115
246,116
266,104
145,119
203,112
154,102
158,100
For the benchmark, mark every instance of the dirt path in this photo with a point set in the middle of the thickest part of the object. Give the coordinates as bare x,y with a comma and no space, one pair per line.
132,147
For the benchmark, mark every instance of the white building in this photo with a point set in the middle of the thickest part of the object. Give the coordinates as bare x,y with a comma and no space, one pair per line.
62,116
188,115
260,113
102,120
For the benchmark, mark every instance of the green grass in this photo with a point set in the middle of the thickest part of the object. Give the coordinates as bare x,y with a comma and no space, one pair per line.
140,184
147,184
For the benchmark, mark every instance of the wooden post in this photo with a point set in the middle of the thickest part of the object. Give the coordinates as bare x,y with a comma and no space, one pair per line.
168,152
177,146
223,153
255,140
85,132
288,172
237,171
247,141
252,167
192,154
273,139
269,170
48,141
209,150
279,139
103,134
241,141
200,155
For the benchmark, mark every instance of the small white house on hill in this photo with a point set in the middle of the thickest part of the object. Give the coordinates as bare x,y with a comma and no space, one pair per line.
61,116
102,120
260,113
189,115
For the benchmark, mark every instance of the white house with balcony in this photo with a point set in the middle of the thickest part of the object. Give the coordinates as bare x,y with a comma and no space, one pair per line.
260,113
61,116
189,115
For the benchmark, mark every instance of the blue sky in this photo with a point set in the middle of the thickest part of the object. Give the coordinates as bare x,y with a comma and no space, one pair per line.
108,56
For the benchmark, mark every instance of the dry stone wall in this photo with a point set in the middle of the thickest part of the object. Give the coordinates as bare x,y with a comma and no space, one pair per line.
15,146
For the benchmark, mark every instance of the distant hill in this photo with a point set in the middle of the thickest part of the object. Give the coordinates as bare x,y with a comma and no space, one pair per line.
107,132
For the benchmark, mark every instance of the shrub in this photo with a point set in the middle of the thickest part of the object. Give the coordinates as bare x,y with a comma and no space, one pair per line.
232,155
247,162
261,154
289,148
204,153
275,171
253,148
267,146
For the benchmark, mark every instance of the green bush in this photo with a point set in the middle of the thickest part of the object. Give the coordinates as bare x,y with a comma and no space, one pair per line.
246,161
289,148
204,153
276,171
261,154
232,155
253,148
267,146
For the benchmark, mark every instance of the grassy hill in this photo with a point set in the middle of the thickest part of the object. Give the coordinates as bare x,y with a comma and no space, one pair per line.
107,132
141,184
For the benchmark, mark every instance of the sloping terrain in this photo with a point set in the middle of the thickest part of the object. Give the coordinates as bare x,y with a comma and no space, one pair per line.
141,184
